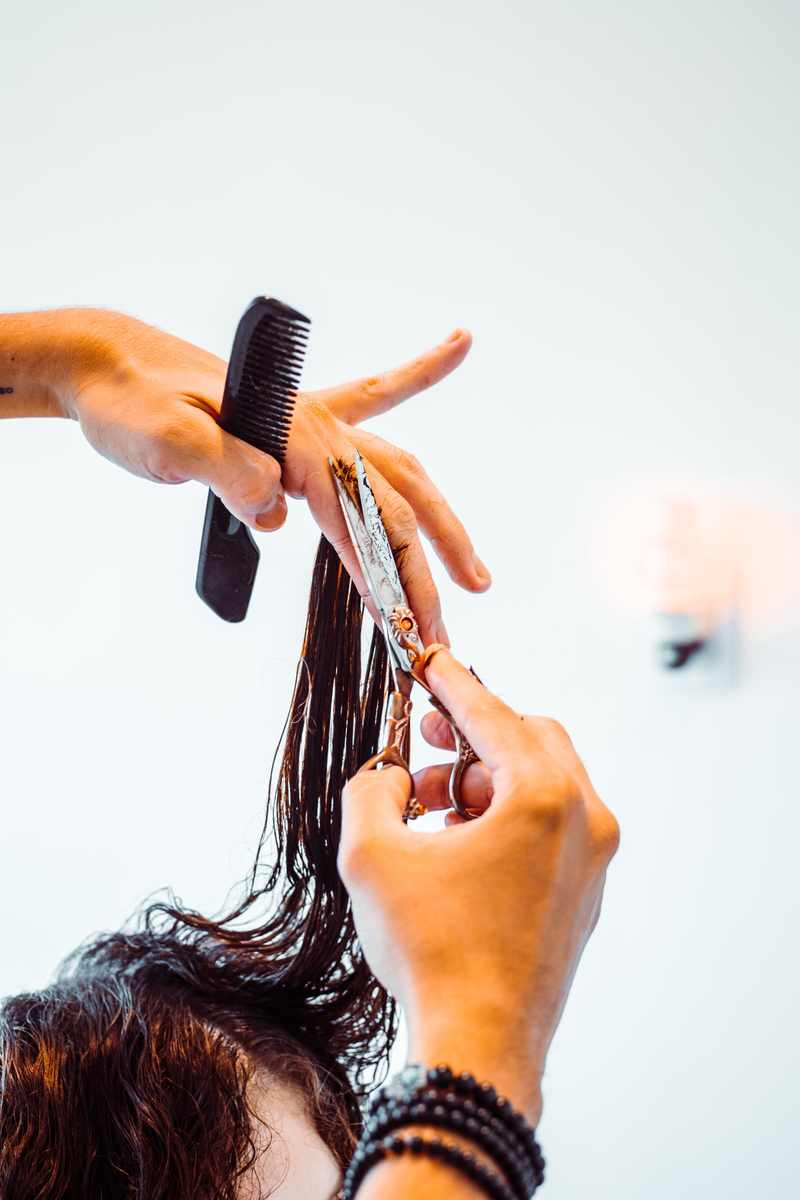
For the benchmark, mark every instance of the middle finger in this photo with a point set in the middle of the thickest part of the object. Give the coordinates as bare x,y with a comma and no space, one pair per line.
436,518
437,731
431,787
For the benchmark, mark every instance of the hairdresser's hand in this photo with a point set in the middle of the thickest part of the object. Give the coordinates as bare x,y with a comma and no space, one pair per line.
477,930
143,398
325,425
150,402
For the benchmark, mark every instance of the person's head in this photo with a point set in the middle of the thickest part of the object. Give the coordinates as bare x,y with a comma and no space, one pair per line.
150,1070
206,1059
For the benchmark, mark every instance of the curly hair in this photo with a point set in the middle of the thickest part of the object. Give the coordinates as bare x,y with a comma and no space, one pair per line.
129,1077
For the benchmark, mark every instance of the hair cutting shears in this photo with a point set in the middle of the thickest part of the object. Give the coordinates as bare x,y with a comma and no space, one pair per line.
407,655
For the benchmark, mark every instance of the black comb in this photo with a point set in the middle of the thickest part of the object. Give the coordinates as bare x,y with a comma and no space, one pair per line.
260,388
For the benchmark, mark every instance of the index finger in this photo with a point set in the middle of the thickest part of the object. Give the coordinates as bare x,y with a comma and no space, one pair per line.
494,730
363,398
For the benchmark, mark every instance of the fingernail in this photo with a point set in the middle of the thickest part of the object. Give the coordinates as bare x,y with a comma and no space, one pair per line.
482,571
455,335
273,516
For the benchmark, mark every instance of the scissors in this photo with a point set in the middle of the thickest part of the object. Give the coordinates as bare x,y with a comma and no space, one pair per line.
407,655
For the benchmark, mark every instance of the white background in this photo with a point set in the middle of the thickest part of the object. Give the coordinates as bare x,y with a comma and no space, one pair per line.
607,195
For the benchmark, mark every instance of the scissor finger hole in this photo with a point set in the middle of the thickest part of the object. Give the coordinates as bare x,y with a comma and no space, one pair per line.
432,785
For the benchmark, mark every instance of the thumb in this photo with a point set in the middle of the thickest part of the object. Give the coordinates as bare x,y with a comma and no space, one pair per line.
373,803
494,731
246,480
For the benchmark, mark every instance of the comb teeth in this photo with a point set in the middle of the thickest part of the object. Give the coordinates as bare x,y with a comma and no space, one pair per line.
260,410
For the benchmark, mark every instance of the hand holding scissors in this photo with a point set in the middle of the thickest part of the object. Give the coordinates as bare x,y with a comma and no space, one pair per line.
407,655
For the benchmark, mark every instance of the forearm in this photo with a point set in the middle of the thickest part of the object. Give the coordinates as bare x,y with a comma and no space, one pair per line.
486,1040
44,357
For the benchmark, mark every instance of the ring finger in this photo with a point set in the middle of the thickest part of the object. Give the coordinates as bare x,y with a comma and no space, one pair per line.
431,787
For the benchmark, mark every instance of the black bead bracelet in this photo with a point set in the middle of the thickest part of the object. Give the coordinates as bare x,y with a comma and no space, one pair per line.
481,1128
416,1084
459,1104
368,1155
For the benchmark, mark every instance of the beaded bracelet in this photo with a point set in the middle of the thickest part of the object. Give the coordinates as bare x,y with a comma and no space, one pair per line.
458,1103
467,1164
466,1085
483,1129
466,1109
415,1084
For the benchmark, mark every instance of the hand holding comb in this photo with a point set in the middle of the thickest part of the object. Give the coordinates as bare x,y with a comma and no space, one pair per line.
257,405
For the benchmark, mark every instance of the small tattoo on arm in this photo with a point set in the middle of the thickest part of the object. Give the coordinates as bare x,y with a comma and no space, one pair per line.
6,391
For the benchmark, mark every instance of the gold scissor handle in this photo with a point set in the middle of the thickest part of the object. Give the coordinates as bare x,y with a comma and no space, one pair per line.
395,749
465,757
395,752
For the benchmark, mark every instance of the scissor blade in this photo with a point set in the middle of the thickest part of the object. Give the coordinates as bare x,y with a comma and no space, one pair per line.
377,531
376,559
359,537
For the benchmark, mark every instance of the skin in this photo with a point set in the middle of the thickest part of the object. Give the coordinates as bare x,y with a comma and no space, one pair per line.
295,1163
150,402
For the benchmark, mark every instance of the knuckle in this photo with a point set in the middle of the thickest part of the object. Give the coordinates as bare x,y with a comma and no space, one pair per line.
373,387
548,794
567,788
356,856
398,514
314,407
408,464
607,832
315,413
558,805
255,492
345,862
160,445
357,784
269,471
421,371
549,729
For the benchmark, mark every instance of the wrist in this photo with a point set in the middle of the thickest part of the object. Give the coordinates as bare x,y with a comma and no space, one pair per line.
483,1038
453,1117
47,357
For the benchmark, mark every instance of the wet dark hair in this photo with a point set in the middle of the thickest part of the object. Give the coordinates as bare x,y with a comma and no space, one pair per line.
129,1077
